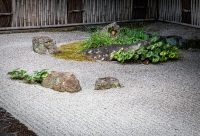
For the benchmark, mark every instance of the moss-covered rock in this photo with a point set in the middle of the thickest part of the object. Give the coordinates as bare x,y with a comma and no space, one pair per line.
73,51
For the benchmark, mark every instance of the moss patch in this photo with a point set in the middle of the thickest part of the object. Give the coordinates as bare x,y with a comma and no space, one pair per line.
72,51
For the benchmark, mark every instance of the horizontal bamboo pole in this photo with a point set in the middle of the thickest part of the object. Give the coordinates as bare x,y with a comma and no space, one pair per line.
76,24
180,23
6,14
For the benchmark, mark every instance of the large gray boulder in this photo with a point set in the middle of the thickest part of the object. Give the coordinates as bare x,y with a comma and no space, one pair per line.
62,82
44,45
107,83
103,53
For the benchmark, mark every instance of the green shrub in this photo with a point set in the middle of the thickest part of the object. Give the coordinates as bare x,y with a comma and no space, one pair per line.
21,75
157,52
130,36
98,39
127,36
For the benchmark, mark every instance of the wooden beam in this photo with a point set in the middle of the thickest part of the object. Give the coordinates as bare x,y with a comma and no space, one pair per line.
6,14
180,23
77,24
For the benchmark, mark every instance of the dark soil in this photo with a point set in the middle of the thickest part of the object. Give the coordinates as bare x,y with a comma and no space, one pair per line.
9,126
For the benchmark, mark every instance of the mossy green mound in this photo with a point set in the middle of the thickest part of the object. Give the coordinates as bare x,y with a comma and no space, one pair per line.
72,51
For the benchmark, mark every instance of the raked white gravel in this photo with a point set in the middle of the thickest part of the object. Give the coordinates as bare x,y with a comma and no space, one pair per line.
155,100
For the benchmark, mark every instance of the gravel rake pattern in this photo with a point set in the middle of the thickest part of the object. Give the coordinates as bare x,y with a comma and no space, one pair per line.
160,99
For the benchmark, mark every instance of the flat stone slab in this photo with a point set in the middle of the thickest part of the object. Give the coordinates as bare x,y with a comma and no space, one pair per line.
103,53
107,83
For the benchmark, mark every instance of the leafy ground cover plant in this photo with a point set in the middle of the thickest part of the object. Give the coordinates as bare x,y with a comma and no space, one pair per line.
17,74
157,52
127,36
37,77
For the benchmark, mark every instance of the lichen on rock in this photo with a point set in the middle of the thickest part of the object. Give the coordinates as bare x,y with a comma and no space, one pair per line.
62,82
106,83
44,45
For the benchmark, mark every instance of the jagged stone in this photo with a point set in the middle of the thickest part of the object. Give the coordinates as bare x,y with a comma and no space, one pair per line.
62,82
112,28
107,83
44,45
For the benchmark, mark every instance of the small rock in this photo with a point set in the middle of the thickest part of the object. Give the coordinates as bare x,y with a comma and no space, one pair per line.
146,62
2,110
44,45
112,28
194,50
62,82
175,40
107,83
192,43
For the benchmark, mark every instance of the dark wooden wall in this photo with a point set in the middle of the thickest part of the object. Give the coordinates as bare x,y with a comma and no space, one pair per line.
75,11
5,13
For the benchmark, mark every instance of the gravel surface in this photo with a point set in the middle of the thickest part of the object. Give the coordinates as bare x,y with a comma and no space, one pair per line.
161,99
169,29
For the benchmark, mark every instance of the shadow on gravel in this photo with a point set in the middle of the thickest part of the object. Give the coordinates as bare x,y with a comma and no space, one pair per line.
9,126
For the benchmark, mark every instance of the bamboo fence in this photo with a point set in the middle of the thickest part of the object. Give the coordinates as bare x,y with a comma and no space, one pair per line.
111,10
171,10
28,13
39,13
55,13
195,12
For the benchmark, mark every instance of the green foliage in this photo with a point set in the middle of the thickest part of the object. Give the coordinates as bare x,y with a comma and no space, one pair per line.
127,36
17,74
21,75
98,39
157,52
29,79
154,39
130,36
39,75
122,55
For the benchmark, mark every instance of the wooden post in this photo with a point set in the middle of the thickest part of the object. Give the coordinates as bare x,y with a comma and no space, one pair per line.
198,13
157,9
14,13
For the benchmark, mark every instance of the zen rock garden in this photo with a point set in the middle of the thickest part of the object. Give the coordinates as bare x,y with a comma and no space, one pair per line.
144,48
